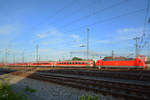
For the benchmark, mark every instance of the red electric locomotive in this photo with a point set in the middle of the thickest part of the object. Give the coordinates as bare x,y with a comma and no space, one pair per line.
136,63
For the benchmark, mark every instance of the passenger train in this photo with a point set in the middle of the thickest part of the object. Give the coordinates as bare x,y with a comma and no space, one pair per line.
136,63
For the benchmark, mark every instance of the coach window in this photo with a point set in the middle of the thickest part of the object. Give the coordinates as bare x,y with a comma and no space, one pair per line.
79,62
76,62
67,62
86,62
70,62
82,62
73,63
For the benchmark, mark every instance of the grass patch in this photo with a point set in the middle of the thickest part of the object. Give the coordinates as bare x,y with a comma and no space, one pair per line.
6,79
29,89
86,97
7,94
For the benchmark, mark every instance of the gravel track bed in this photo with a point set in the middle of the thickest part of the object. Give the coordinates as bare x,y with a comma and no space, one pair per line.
47,90
102,78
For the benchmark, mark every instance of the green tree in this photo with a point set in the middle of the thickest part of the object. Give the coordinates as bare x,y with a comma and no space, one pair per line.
76,58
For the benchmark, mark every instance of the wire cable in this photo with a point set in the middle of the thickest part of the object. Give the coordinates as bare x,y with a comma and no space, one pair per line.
57,12
110,19
94,13
77,11
145,22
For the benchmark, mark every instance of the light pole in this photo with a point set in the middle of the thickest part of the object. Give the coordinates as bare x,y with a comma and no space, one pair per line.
88,43
1,55
81,46
23,56
136,50
37,47
71,55
6,53
112,54
14,59
148,49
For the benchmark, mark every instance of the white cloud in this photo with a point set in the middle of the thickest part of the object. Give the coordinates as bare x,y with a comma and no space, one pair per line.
129,33
9,33
75,37
130,30
9,29
53,54
104,41
47,33
42,35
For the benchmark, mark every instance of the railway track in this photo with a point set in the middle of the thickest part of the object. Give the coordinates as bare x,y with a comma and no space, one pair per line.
3,70
117,89
131,75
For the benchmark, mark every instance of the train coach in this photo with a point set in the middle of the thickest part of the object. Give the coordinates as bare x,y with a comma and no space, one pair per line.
1,64
42,64
89,63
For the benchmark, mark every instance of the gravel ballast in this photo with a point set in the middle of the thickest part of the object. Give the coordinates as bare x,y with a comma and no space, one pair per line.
47,90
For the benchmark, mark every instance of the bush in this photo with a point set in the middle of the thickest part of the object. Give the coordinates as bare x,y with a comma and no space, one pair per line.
28,89
86,97
7,94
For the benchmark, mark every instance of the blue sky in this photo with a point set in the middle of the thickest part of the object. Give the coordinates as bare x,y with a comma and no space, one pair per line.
60,26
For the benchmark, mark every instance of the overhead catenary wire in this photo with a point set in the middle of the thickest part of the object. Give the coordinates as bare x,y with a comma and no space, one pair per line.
75,12
55,14
108,19
146,16
94,13
145,22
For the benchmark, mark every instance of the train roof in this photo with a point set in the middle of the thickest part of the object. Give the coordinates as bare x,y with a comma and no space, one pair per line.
117,59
